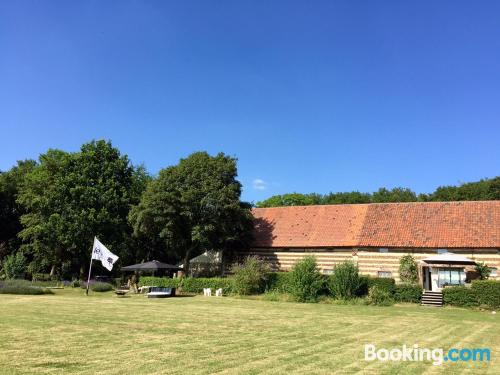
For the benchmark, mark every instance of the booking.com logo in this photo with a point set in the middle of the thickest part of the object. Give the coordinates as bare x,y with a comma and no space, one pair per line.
436,355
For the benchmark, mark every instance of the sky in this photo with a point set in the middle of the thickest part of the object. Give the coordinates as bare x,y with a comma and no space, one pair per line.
309,96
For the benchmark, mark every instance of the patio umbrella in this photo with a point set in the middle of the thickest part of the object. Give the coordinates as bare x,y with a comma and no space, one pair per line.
153,265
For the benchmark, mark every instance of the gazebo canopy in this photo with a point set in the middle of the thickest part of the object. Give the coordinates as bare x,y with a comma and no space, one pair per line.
448,258
153,265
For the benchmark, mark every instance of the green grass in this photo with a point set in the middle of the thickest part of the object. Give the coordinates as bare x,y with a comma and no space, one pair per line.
68,333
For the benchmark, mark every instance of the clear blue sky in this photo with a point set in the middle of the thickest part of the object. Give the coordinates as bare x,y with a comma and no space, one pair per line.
310,96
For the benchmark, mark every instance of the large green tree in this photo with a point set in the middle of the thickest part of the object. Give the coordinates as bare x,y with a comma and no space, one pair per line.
293,199
11,211
194,206
72,197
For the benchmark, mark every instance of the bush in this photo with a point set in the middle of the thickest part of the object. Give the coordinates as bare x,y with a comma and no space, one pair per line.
487,292
306,282
344,283
408,272
99,286
250,277
278,282
21,287
483,270
163,282
408,293
15,266
460,296
383,283
378,295
274,296
41,277
75,283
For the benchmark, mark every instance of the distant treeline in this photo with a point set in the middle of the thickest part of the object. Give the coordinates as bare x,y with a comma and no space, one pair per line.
486,189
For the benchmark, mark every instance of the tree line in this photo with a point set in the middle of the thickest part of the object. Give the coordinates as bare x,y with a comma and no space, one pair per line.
51,209
485,189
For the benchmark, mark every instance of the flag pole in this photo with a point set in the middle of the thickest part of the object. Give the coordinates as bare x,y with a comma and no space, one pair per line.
90,270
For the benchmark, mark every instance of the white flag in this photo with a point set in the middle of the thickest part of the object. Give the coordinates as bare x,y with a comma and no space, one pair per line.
100,252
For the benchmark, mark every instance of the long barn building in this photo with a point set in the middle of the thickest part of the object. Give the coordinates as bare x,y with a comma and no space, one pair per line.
376,236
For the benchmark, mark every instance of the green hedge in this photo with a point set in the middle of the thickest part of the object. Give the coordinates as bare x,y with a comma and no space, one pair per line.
460,296
164,282
408,293
367,282
189,284
487,292
384,283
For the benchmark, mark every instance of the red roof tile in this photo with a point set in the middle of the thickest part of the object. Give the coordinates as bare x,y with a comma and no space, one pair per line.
429,225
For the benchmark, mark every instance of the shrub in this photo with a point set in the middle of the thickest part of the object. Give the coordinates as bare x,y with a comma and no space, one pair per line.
250,277
278,282
306,282
274,296
383,283
363,287
21,287
100,287
408,293
483,270
189,284
460,296
378,295
344,283
75,283
408,272
41,277
164,282
487,292
15,266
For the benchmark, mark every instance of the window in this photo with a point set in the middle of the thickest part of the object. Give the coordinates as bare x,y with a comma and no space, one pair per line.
442,251
451,276
385,274
383,250
494,272
328,271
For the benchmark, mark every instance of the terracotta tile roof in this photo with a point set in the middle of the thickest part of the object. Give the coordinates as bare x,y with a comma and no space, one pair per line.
429,225
308,226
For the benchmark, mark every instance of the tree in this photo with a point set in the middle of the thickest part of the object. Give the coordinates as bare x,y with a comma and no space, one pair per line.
397,194
72,197
346,198
293,199
10,210
408,272
486,189
194,206
14,266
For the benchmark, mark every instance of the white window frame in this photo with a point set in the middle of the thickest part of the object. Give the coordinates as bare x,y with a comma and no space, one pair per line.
384,272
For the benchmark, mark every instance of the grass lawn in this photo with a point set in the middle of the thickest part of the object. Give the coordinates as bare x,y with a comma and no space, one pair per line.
68,333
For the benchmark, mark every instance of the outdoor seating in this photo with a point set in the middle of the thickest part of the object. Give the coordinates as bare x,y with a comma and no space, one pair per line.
158,292
207,292
218,292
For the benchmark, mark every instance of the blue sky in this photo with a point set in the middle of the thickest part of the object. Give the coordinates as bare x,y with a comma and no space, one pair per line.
310,96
